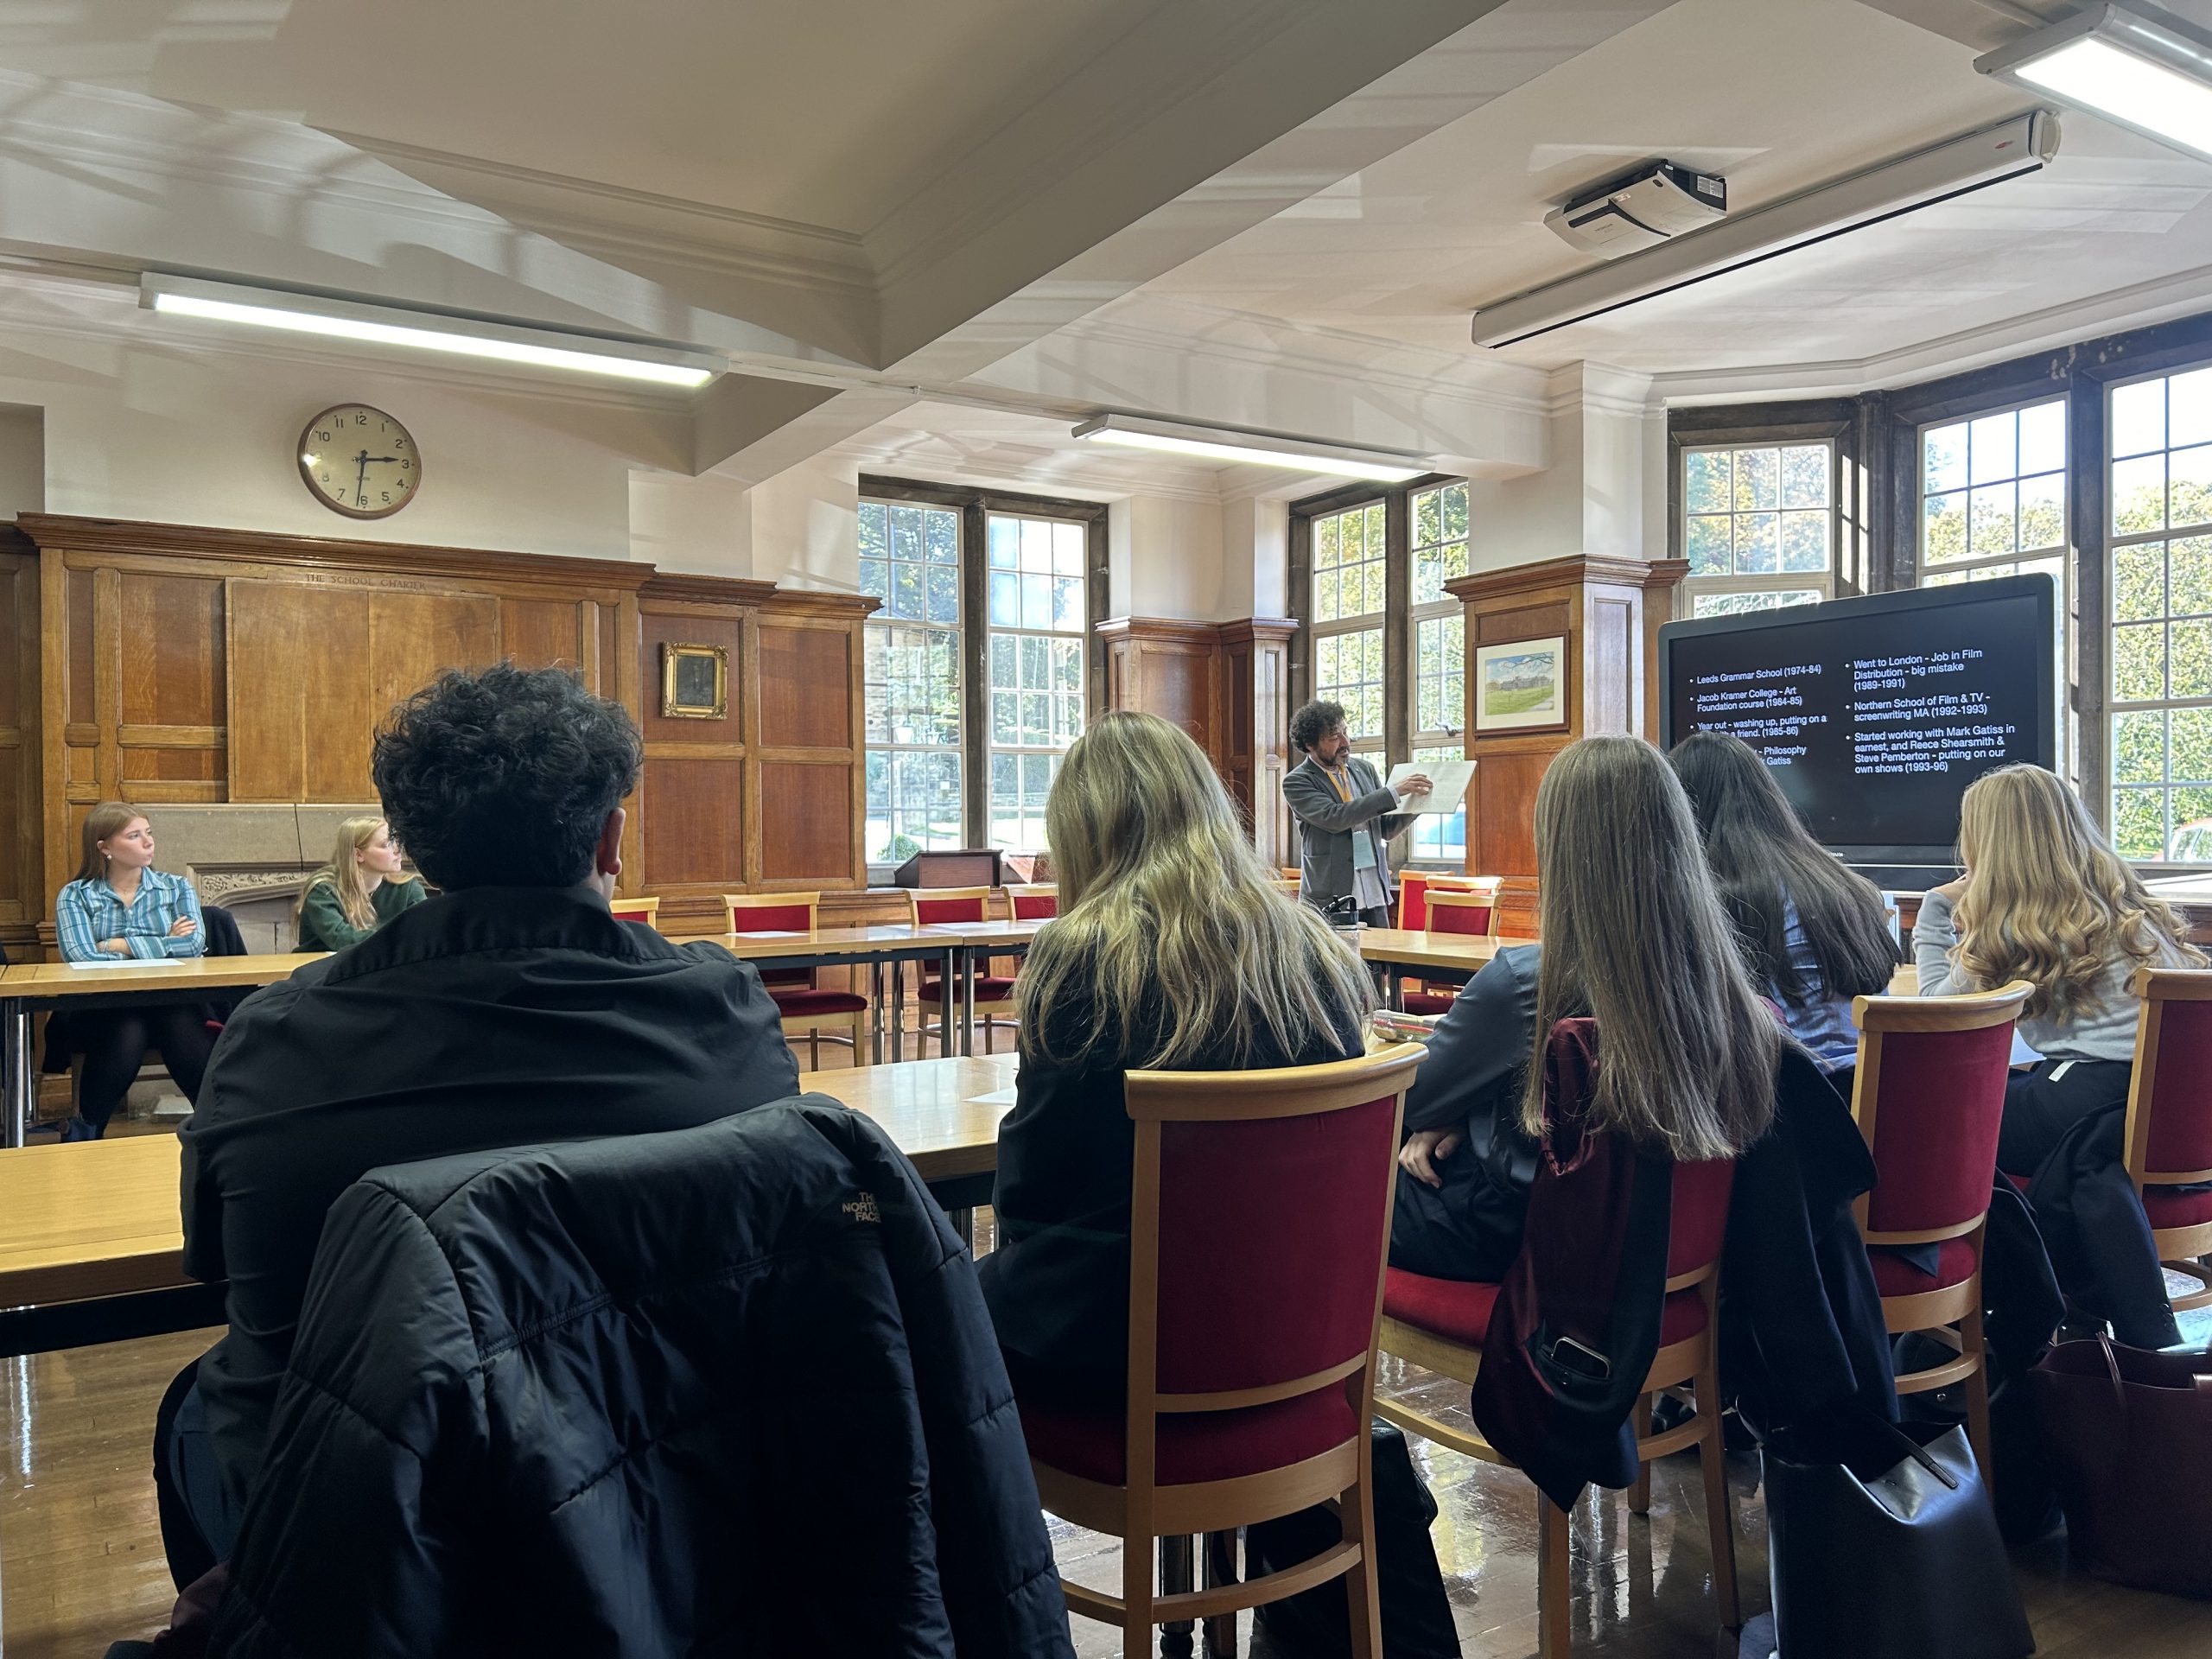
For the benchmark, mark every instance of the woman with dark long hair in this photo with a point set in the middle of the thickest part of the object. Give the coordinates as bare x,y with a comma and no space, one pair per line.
1634,937
1814,935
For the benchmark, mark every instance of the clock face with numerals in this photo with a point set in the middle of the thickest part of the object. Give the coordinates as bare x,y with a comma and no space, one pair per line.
359,461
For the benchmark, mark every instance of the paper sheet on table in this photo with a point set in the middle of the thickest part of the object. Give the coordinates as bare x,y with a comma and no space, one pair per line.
996,1097
1451,778
135,962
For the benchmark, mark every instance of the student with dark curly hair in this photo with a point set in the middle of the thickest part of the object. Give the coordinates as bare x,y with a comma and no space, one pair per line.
512,1008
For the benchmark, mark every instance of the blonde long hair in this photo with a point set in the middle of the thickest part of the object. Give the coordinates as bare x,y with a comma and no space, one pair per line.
2047,899
1634,936
344,873
1173,943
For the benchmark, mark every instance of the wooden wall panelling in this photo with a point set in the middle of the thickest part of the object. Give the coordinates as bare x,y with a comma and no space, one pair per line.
809,773
1598,604
1662,591
1170,668
694,794
22,751
1255,656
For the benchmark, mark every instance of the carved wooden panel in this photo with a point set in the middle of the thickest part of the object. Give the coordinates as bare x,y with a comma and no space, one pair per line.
696,626
697,810
807,825
805,687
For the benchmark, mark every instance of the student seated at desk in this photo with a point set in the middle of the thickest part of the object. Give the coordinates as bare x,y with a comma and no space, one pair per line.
1815,934
512,1008
360,890
1634,934
120,908
1174,950
2045,898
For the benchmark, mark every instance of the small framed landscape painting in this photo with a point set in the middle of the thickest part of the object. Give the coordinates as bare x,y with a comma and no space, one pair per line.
1521,685
694,682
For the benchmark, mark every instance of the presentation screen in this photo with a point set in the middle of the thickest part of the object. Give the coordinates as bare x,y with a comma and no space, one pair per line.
1875,713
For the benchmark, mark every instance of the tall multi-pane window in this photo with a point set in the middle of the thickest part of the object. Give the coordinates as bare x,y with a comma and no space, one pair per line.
2159,489
1993,502
1036,602
910,559
1758,525
1349,596
1439,548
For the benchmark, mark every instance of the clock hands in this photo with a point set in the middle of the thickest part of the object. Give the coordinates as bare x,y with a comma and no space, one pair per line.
361,483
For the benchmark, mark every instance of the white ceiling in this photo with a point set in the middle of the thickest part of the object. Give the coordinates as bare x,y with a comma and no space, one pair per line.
1270,213
1778,95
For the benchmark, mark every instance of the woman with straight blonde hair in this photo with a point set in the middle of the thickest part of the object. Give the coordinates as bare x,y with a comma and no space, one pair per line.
2045,898
1635,936
361,888
1174,948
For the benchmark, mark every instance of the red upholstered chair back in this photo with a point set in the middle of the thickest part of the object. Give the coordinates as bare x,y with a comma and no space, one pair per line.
1700,1224
1451,912
1415,885
1033,904
636,910
775,912
1261,1220
948,906
1928,1096
2169,1111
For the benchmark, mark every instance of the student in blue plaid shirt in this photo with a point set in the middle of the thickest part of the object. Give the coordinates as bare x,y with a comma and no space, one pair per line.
119,908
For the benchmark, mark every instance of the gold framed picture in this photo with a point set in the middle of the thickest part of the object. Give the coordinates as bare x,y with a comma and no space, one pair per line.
694,682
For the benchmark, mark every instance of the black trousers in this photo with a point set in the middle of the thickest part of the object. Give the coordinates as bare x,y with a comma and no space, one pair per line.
116,1042
2041,1105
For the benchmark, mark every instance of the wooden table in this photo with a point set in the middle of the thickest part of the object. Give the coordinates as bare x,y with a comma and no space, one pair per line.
98,1223
1446,956
27,988
875,949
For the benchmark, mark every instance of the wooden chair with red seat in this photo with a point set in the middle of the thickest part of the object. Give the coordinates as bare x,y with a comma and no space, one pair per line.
2169,1133
1440,1325
636,910
1035,901
1260,1219
1929,1097
1445,904
802,1000
950,908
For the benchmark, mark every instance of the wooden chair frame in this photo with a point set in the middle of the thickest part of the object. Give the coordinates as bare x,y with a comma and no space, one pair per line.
1341,1475
843,1028
1934,1311
626,909
1483,889
2179,1247
1688,1371
1467,899
915,898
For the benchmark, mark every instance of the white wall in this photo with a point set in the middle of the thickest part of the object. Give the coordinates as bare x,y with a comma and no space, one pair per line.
137,429
806,526
22,461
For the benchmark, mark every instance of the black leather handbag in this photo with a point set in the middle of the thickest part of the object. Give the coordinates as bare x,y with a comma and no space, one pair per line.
1883,1544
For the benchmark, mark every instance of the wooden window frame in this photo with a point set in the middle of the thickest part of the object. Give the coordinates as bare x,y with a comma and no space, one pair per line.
974,508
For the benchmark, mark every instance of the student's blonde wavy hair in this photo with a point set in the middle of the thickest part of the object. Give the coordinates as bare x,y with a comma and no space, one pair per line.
343,872
2046,897
1169,924
1634,936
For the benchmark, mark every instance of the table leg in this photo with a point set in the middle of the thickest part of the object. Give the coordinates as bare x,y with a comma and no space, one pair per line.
875,1012
1175,1565
1394,992
17,1079
967,1001
948,1015
897,1011
1220,1567
964,1223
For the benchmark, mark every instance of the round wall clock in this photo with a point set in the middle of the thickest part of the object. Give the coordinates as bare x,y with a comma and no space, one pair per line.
359,461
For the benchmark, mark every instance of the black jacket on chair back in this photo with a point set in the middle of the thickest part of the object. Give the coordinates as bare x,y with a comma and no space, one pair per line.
728,1390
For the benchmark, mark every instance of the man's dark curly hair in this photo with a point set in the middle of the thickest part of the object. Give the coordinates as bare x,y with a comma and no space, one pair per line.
1308,727
504,776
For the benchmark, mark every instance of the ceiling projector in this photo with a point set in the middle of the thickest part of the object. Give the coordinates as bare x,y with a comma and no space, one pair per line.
1640,210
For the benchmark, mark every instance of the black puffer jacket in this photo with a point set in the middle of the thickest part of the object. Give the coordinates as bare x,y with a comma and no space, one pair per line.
726,1390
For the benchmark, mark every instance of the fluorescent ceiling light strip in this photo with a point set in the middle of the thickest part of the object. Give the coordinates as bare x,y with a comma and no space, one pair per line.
2100,76
503,346
1126,433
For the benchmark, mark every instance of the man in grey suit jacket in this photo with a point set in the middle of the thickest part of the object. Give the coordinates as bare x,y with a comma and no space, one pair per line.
1345,816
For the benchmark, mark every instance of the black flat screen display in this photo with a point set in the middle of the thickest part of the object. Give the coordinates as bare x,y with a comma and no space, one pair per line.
1875,713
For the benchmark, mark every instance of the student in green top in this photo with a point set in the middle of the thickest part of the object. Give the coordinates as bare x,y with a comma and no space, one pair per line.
359,890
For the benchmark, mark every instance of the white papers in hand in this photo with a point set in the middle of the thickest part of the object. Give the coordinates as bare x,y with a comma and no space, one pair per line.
1450,779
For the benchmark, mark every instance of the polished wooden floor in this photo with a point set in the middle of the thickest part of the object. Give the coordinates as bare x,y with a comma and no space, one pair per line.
81,1559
